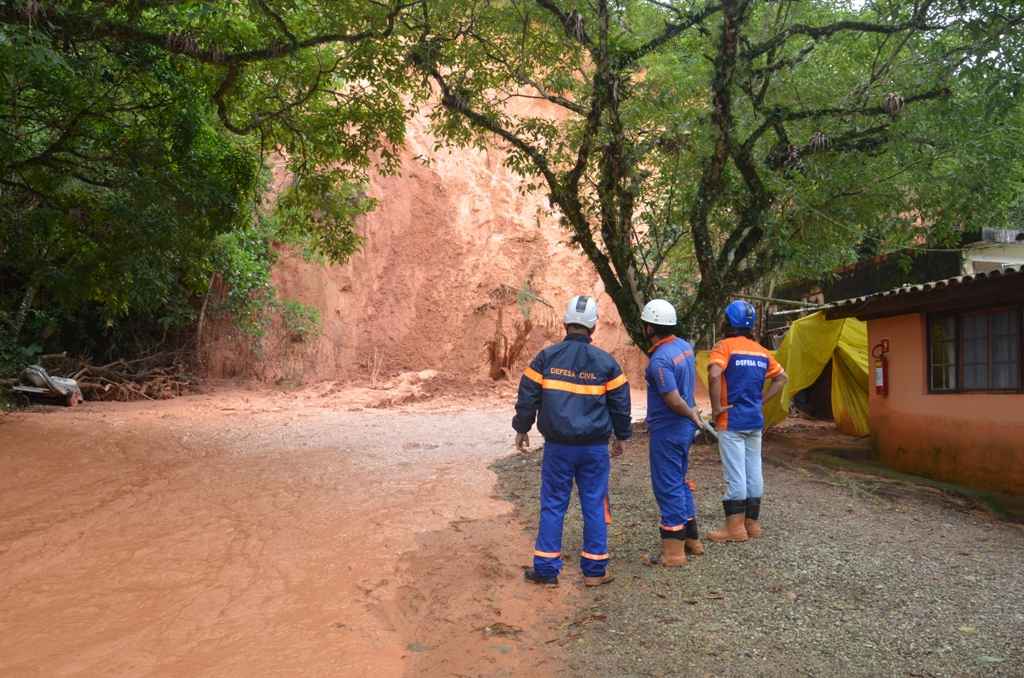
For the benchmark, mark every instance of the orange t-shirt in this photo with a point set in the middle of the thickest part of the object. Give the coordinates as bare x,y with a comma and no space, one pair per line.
746,365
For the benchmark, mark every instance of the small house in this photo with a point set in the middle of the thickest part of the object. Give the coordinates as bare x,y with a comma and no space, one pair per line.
947,388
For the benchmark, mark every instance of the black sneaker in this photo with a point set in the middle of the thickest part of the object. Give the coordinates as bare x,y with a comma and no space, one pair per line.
530,575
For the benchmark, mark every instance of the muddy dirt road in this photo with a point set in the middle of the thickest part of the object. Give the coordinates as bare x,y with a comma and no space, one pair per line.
264,534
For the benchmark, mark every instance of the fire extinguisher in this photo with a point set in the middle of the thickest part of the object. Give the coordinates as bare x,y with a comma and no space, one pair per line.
881,367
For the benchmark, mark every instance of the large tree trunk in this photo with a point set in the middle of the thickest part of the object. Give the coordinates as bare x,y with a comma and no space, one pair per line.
26,305
202,319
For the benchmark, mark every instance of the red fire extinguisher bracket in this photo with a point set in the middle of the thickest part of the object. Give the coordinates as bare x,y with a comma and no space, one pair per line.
878,352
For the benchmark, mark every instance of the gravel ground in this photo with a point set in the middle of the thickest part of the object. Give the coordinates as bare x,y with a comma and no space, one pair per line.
855,575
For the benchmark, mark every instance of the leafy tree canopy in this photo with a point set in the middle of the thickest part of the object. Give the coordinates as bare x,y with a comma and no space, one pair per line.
134,134
692,148
735,139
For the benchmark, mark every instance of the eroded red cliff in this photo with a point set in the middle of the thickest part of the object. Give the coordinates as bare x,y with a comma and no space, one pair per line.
454,236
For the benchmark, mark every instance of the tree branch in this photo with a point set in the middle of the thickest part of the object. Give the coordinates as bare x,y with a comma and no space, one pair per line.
710,185
572,22
457,104
744,239
916,22
92,26
276,18
517,74
670,32
218,98
786,115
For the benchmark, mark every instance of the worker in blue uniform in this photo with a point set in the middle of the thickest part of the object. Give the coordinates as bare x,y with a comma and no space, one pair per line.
579,396
738,368
672,420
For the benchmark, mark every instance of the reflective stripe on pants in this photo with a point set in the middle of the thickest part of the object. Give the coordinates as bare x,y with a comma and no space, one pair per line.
588,465
670,459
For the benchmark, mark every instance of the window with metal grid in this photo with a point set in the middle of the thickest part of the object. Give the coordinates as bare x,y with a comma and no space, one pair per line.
976,351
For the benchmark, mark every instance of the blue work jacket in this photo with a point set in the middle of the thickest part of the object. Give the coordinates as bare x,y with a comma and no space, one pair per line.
577,393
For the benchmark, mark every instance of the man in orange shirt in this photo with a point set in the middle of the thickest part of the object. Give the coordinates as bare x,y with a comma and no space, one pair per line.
737,371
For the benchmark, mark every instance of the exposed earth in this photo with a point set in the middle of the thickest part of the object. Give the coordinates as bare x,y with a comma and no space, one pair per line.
453,246
261,533
354,531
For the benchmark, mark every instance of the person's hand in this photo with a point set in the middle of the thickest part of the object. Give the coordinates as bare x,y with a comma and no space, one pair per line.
695,417
715,411
617,448
692,485
522,442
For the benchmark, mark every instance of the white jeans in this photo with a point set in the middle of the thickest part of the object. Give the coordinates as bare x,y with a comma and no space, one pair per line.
741,464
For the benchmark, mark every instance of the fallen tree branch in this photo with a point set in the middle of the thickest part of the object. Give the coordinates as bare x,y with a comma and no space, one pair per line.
154,377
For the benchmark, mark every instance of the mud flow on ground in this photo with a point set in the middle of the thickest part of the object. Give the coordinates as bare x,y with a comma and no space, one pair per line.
256,533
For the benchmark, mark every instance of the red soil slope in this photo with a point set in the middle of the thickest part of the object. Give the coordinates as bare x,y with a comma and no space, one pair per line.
447,233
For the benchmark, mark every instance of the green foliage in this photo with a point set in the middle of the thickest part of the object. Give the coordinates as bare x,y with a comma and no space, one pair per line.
527,297
134,140
325,80
302,323
243,259
316,216
691,149
696,149
14,357
115,182
318,213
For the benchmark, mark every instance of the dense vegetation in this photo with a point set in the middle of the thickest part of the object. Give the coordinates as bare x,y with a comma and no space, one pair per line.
691,148
134,167
710,145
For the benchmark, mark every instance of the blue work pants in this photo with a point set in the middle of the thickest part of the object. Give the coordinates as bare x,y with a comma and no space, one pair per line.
589,466
670,460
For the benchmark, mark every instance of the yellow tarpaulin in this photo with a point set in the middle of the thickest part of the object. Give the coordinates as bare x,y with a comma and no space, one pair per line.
811,345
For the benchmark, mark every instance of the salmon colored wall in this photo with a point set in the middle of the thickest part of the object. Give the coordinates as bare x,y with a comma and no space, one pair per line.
974,439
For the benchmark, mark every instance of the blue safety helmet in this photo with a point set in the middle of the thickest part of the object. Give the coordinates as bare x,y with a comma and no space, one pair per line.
741,314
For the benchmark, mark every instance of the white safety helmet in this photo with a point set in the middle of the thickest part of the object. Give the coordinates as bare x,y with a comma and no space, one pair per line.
659,312
582,310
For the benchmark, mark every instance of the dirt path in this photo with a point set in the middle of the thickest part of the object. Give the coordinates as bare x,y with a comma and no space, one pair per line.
264,534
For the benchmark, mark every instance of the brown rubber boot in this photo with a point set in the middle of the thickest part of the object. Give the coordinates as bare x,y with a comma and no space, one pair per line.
598,581
734,530
753,517
692,544
673,553
530,575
